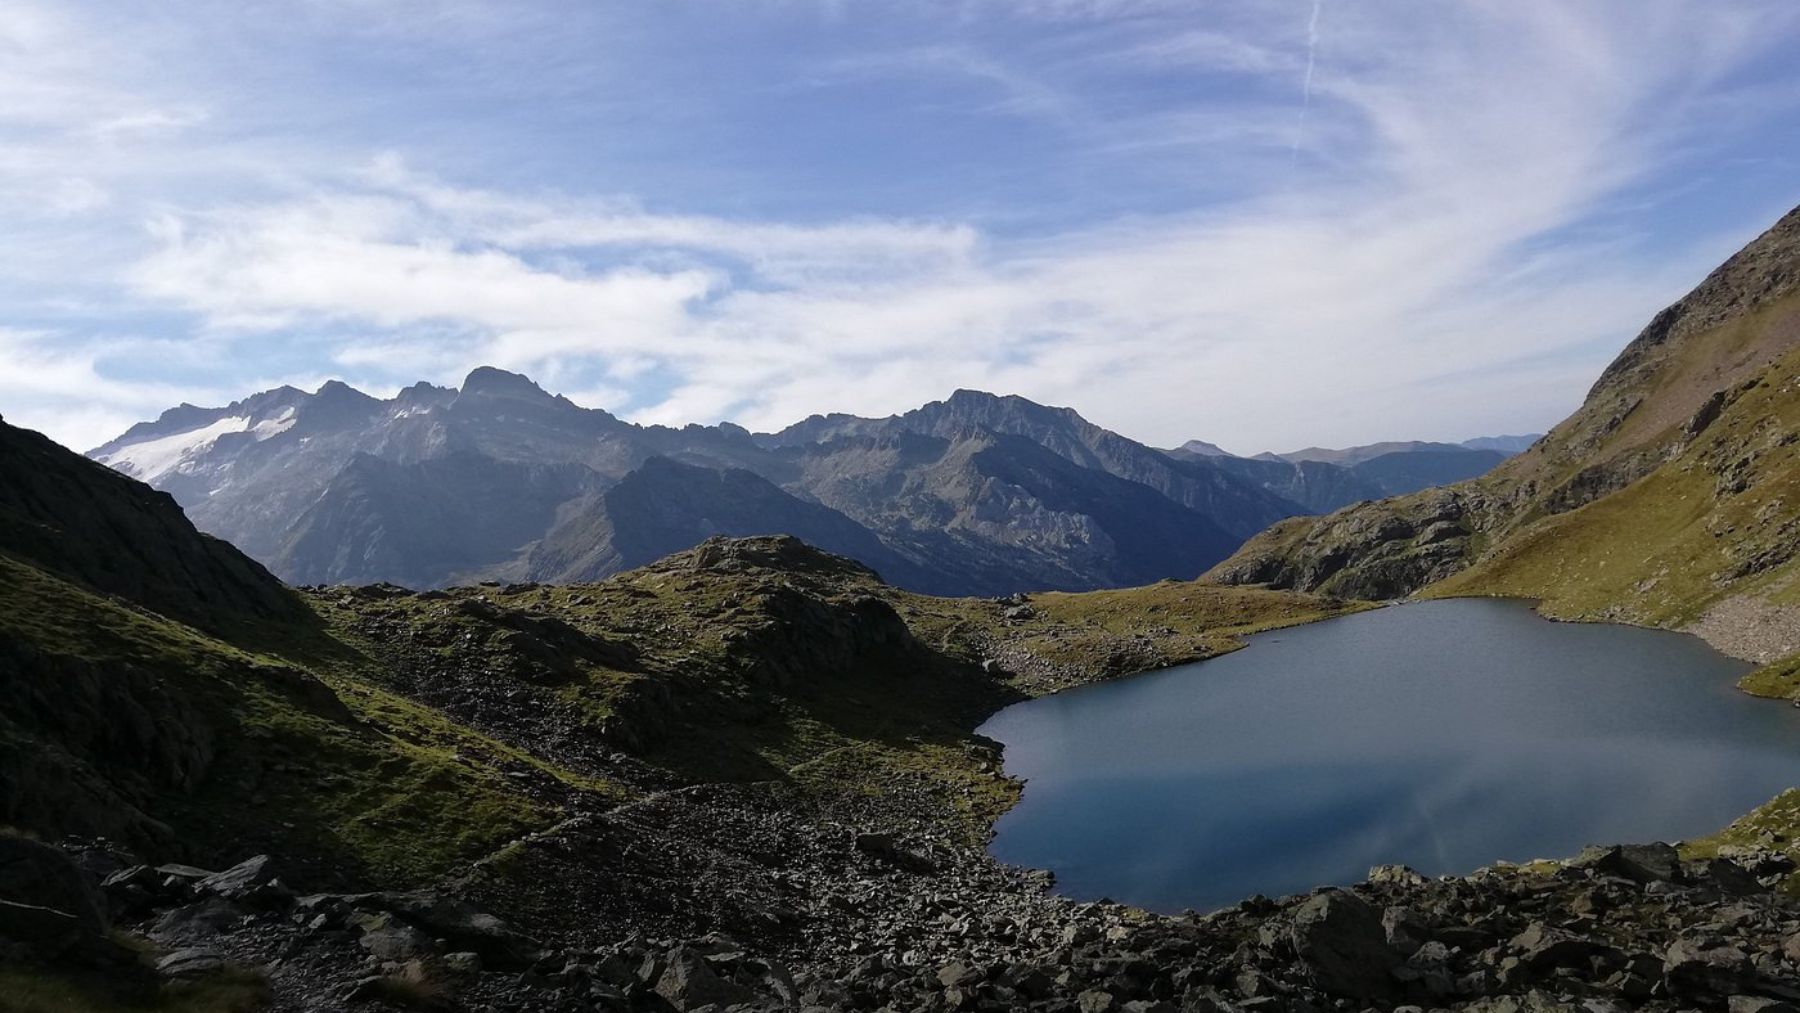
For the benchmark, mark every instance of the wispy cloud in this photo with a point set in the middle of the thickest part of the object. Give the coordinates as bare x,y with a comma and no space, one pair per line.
1476,225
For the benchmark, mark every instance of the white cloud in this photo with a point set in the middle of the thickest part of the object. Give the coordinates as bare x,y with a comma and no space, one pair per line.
1430,265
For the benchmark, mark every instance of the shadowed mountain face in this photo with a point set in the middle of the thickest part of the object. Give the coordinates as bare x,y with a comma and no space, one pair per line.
53,504
1672,496
976,494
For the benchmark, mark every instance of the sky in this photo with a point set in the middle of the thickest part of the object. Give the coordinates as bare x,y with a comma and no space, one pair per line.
1263,223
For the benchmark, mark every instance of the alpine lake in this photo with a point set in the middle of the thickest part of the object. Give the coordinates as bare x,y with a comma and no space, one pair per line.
1443,735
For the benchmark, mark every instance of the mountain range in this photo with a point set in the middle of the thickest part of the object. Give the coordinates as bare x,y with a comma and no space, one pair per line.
498,479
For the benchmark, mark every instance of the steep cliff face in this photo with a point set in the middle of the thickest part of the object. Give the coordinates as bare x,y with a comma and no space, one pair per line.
1665,498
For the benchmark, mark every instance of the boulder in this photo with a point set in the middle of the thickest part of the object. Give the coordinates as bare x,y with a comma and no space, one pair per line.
1642,863
462,925
1543,949
38,875
252,882
389,938
1706,967
1728,877
45,932
190,963
958,974
1340,941
688,983
196,922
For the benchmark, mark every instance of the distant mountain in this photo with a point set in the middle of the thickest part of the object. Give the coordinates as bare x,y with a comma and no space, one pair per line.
1322,480
1668,497
1507,445
1422,468
1352,456
1200,448
976,494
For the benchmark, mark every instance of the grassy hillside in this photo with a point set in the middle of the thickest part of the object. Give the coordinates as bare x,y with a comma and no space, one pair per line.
1669,498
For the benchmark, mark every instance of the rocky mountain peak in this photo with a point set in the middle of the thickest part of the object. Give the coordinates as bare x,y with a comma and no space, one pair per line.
489,381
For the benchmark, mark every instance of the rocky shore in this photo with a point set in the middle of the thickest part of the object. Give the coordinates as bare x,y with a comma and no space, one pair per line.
840,917
766,897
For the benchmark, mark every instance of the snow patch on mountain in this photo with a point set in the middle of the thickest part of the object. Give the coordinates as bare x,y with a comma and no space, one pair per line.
150,460
179,453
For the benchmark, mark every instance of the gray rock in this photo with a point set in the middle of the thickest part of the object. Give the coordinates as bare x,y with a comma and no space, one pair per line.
1706,967
1340,940
389,938
252,882
191,963
1543,949
1642,863
959,974
688,983
196,922
463,925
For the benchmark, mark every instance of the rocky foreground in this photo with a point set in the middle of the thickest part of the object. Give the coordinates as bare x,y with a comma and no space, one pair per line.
851,919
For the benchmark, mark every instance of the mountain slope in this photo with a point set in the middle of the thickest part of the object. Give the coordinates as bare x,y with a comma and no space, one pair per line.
1666,498
1239,508
664,507
89,525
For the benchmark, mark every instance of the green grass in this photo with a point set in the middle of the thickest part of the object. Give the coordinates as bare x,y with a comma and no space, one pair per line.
1772,826
384,791
1667,548
1777,680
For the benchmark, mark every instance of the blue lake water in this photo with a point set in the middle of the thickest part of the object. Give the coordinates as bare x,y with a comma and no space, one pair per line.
1441,735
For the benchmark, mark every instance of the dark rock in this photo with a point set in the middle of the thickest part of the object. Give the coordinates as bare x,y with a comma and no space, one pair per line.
45,932
190,963
689,983
1543,949
385,936
251,882
959,975
39,875
1642,863
463,925
1706,967
1730,878
193,923
1340,940
1405,929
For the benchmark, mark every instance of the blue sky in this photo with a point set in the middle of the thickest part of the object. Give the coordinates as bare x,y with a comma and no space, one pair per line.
1267,224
